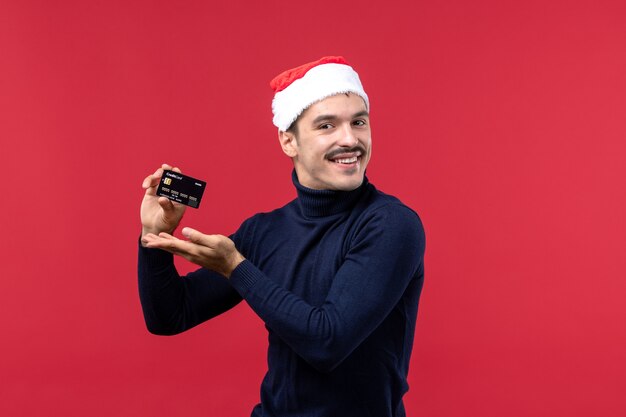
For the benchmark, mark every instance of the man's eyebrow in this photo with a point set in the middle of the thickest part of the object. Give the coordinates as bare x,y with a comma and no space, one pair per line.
325,117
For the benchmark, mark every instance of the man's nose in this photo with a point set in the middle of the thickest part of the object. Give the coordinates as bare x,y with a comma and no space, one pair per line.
348,136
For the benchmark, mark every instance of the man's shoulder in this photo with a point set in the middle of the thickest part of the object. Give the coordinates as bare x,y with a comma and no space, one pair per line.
381,203
383,220
260,223
272,216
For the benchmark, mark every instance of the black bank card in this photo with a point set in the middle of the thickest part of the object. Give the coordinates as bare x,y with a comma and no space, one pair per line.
181,188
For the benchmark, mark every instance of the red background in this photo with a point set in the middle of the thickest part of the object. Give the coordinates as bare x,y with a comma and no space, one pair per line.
502,123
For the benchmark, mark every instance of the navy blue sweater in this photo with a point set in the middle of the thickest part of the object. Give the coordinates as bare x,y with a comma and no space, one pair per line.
336,277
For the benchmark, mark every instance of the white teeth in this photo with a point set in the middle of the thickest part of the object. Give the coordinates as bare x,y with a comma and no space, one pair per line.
346,160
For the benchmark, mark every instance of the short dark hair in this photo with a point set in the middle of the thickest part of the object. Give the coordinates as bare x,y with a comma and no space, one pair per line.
293,127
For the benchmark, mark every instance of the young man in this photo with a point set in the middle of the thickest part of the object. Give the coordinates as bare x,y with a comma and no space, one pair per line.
336,274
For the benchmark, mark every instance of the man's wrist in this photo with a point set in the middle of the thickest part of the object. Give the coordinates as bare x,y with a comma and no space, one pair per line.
237,259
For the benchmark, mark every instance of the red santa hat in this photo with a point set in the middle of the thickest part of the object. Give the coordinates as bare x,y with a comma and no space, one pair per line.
296,89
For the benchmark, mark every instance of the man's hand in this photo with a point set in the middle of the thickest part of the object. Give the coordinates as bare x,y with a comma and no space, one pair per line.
214,252
158,214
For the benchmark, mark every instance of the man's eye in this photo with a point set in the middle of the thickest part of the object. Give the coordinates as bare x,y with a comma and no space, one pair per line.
359,122
325,126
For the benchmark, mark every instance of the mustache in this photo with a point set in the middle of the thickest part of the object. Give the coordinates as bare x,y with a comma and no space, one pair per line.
357,148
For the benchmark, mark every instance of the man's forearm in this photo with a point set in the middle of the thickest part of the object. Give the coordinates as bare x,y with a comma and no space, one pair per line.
172,304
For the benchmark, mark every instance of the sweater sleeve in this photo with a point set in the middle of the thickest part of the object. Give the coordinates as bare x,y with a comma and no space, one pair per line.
172,304
384,256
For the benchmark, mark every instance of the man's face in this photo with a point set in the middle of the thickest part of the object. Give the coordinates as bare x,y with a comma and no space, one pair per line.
331,144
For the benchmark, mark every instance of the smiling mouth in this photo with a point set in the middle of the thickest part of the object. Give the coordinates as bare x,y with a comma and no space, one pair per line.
346,159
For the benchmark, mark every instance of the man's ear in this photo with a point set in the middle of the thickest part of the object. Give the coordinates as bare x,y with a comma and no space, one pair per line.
288,143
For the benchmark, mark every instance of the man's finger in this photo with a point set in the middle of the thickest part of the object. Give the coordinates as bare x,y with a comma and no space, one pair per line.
146,182
167,236
169,206
148,238
173,245
150,181
209,241
163,241
153,180
166,204
194,235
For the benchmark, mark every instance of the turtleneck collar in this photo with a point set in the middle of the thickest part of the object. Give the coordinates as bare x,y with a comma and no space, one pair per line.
320,203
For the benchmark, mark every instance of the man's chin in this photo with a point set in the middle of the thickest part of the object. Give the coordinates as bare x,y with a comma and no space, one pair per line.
349,184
